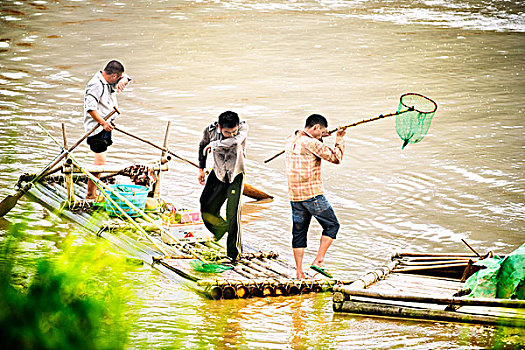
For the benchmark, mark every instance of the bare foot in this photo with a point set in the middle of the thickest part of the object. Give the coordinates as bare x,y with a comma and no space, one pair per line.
319,263
300,275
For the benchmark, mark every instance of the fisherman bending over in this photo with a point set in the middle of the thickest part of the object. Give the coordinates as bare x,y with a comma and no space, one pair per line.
227,139
99,99
304,151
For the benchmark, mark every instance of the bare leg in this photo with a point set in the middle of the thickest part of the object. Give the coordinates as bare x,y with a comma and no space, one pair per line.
100,159
323,247
298,254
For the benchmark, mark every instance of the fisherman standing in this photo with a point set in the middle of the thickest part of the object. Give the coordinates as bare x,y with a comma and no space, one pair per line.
100,97
304,151
227,139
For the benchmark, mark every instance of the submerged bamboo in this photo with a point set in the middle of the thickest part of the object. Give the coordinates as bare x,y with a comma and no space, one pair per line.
408,312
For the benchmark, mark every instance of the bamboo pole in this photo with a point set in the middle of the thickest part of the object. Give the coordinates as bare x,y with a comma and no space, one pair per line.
248,190
409,254
369,278
432,263
436,299
69,177
408,312
259,281
157,186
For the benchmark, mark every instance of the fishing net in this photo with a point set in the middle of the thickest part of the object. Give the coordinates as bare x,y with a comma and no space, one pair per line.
415,113
200,266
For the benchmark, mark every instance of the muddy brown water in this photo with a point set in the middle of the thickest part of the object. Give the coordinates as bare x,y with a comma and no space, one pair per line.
276,62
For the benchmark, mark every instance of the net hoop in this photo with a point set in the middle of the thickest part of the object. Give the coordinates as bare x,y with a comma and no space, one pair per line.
419,110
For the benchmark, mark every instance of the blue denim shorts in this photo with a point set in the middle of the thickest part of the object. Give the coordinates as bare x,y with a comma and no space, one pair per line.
302,213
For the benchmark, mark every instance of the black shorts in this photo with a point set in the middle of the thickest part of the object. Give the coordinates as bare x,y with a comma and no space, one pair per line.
100,142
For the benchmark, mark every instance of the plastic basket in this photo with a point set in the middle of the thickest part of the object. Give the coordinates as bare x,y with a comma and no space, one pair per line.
137,195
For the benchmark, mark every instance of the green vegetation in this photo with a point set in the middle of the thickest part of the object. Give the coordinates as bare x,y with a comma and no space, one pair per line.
73,300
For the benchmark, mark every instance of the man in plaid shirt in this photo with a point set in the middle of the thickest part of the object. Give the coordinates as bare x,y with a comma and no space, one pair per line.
304,151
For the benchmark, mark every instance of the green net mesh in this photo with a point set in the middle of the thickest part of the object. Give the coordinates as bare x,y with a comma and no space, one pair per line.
200,266
415,113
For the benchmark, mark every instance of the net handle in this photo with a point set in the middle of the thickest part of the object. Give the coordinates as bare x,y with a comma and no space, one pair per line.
350,125
381,116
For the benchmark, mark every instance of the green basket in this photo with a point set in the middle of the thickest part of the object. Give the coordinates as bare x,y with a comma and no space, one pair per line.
137,195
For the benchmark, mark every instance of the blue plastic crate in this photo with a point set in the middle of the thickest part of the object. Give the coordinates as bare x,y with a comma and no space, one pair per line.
137,195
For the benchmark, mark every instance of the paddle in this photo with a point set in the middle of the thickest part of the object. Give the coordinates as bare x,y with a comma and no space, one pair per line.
248,190
10,201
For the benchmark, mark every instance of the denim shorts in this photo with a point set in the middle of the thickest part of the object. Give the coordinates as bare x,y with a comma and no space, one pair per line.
302,213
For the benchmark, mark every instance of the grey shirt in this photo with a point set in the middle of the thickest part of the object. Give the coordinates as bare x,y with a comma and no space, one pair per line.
228,153
99,96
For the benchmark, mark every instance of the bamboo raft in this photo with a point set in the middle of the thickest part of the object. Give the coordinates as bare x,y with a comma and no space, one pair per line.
260,274
256,273
425,286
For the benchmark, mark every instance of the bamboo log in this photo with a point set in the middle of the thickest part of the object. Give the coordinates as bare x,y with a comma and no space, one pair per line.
435,258
407,254
259,281
158,183
434,267
259,255
69,177
228,292
432,263
108,168
408,312
436,299
371,277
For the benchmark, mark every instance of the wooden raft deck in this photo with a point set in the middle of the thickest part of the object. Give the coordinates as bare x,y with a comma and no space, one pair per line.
394,292
256,273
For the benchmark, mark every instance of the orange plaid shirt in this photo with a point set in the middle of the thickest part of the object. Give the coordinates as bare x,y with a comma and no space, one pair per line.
303,164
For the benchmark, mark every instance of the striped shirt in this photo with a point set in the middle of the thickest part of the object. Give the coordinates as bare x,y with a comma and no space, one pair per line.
303,164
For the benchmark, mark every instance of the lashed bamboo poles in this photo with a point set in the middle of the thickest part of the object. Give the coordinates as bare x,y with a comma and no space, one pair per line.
438,315
436,299
263,287
103,187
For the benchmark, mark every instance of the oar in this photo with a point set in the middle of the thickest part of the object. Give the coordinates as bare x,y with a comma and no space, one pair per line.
348,126
10,201
248,190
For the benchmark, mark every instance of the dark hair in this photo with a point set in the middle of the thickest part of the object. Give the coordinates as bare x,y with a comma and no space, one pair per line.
228,119
315,119
114,67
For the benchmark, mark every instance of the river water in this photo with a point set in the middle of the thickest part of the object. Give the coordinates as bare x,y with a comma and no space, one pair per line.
275,63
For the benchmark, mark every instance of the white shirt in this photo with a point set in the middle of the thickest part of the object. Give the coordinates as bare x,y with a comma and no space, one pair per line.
99,96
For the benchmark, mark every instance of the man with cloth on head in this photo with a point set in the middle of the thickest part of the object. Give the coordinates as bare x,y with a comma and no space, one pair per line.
227,139
100,98
304,151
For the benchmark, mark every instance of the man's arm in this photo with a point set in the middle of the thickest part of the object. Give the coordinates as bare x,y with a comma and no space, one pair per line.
242,134
106,124
202,157
324,152
123,82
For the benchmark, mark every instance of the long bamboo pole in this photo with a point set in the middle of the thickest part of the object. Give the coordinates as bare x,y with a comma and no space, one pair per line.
408,312
248,190
436,299
381,116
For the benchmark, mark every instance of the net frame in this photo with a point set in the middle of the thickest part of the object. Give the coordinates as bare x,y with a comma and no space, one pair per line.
415,113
